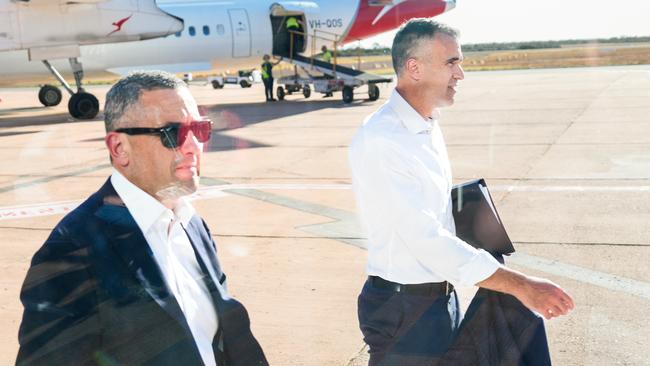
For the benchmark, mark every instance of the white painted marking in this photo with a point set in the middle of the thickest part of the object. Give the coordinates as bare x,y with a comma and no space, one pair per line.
286,186
63,207
212,192
36,210
494,188
205,193
570,188
585,275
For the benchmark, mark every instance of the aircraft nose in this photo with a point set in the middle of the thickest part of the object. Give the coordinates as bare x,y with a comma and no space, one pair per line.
449,4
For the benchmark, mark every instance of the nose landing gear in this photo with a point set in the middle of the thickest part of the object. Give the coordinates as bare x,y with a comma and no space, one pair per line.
49,95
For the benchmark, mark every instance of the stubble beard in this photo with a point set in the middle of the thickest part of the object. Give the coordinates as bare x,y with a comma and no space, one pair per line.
178,188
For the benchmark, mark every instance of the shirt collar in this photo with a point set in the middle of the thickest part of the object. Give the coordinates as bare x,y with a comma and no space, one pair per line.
146,210
411,119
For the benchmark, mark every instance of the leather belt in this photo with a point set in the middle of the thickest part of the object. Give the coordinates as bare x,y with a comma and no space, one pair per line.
422,289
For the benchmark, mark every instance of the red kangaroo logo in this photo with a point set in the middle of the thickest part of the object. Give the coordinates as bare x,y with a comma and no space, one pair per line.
118,25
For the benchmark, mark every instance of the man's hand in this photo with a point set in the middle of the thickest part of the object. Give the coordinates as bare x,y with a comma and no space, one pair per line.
545,297
537,294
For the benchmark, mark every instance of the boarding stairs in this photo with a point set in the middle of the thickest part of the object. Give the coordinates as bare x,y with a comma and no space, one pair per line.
326,77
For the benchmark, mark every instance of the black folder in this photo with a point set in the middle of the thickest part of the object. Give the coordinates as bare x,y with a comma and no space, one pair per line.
477,220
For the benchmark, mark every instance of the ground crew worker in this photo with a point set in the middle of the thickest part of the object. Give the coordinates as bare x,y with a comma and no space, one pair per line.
294,25
267,77
327,55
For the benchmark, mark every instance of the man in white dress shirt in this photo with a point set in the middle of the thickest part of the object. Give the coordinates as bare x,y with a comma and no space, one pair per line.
131,276
408,310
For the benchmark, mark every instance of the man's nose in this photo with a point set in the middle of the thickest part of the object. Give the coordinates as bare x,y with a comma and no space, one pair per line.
459,73
191,145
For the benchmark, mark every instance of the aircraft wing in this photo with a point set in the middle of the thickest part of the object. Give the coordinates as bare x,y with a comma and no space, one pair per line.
173,68
57,2
49,27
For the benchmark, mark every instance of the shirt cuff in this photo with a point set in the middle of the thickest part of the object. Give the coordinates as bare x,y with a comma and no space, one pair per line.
479,268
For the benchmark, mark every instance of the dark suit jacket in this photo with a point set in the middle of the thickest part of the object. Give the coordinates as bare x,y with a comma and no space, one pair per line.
95,295
498,330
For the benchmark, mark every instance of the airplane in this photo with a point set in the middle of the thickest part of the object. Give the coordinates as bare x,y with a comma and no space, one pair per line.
37,37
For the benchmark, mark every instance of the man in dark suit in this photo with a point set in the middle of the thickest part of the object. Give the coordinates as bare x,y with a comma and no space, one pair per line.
131,277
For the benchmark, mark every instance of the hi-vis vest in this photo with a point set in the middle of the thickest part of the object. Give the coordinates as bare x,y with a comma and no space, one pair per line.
327,56
265,71
292,23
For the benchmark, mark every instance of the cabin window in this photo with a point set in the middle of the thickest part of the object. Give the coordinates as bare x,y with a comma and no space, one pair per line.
177,34
206,30
220,29
192,31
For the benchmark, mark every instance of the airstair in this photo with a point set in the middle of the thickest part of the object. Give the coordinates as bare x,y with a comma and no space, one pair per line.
326,77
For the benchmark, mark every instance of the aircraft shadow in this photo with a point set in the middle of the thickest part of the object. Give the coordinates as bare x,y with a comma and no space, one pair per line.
218,142
239,115
42,120
14,133
225,116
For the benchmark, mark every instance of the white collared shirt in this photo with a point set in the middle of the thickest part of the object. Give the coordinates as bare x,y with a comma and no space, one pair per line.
402,182
172,250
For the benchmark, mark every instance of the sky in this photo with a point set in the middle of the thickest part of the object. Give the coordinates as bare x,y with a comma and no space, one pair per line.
482,21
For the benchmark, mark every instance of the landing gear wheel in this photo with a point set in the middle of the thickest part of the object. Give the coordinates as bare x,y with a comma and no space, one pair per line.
244,84
280,93
348,94
83,105
49,95
306,91
216,85
373,92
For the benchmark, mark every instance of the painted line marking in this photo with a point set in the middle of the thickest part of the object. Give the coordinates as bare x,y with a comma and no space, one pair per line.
495,188
511,188
345,228
581,274
36,210
63,207
221,190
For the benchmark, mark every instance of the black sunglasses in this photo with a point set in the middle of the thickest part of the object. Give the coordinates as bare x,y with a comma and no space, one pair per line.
173,134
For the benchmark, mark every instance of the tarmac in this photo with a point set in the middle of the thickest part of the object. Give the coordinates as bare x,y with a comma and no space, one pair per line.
565,152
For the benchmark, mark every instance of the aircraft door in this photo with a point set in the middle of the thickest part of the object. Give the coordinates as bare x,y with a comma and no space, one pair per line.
282,43
241,33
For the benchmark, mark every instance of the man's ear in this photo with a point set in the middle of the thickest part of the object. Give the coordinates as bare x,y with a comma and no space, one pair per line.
412,69
118,148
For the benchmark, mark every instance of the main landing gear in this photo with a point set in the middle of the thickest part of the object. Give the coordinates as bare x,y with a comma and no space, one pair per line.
82,105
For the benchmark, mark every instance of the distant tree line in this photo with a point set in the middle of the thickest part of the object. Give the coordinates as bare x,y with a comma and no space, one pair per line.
507,46
533,45
376,50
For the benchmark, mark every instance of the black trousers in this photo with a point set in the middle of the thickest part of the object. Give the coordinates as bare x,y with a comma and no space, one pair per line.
404,329
268,88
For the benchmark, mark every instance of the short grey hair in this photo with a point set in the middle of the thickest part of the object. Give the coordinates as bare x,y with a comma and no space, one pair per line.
126,93
408,37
